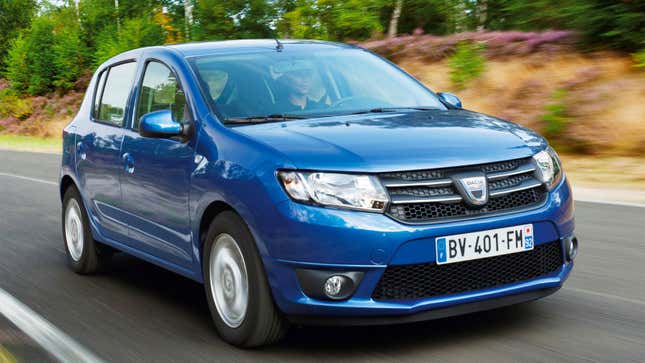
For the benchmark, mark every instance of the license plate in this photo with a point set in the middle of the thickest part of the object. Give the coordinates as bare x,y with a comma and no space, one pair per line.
483,244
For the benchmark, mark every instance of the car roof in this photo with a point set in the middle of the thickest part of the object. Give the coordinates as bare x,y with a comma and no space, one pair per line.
234,46
229,47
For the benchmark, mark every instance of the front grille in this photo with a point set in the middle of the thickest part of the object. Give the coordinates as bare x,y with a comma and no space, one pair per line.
429,195
433,211
429,279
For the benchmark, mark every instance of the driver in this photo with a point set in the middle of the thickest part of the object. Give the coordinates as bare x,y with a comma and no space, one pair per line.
295,84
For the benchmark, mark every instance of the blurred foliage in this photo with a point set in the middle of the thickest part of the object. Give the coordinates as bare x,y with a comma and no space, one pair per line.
15,15
30,59
47,45
300,19
609,23
466,64
217,19
70,55
12,105
555,116
639,59
330,19
133,33
351,19
604,23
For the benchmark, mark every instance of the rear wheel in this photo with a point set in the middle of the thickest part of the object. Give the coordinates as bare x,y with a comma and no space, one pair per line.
236,286
84,255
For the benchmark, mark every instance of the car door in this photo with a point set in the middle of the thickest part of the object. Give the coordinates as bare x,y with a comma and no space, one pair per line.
98,149
156,184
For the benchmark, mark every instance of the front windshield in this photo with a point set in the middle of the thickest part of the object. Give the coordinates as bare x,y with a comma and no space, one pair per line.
300,82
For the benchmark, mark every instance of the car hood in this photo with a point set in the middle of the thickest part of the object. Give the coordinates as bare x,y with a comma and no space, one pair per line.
397,140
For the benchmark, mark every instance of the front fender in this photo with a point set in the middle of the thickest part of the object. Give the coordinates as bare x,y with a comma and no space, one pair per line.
234,170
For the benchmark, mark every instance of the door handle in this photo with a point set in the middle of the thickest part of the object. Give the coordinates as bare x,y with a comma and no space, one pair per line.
80,150
128,162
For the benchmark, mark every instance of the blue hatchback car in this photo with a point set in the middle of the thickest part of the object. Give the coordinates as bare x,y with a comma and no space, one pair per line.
310,182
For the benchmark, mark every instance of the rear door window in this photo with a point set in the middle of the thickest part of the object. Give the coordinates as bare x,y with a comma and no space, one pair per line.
115,93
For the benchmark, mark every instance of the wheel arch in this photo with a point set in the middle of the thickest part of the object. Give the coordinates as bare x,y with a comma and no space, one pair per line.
66,182
209,214
212,210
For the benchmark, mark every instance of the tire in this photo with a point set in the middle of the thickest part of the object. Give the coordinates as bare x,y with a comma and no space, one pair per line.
229,253
84,255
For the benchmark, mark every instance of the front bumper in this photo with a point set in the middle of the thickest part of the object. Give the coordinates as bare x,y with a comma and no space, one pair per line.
308,237
438,313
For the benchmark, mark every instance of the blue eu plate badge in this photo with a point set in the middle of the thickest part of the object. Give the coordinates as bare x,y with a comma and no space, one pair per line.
441,250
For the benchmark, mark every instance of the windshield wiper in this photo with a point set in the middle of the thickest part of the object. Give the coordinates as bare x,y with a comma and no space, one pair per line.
260,119
394,109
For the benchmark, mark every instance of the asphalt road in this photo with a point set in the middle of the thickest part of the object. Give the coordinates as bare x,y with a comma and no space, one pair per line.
137,312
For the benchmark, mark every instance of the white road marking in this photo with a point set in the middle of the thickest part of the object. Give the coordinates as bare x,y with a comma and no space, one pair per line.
28,178
50,338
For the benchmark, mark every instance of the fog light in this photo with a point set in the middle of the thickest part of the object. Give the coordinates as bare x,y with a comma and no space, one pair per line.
329,285
334,286
571,247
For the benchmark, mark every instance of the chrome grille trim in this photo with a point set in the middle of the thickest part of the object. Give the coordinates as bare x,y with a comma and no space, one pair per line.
400,199
416,191
529,184
393,183
523,169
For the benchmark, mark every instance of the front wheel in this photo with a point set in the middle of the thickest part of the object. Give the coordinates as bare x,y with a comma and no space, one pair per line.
236,286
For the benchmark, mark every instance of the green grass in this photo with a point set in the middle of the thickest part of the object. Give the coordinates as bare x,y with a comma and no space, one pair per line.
30,143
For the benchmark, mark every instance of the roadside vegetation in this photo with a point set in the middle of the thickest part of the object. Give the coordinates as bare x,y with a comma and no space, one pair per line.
466,63
30,143
582,86
48,46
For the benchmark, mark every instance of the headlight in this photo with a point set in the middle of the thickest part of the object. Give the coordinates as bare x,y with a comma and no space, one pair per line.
362,192
549,169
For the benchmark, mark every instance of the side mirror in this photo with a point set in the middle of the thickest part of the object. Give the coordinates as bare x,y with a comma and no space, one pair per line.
159,124
449,99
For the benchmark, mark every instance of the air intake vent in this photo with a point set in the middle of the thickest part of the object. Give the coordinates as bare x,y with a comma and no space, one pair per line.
429,279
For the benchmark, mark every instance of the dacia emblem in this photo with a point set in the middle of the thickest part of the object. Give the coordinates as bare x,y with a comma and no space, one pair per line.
473,187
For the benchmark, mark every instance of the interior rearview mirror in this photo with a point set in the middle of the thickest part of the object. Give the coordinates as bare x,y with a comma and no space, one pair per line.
159,124
449,99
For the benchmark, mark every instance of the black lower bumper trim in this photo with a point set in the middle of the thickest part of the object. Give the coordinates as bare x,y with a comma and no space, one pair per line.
433,314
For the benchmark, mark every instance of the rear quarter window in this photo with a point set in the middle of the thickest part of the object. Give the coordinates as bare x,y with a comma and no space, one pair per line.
97,94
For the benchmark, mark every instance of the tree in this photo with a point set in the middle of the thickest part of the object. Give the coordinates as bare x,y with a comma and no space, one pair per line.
49,55
300,19
17,72
609,24
432,16
604,23
481,9
188,14
134,33
221,19
70,54
393,29
351,19
95,15
15,15
29,64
